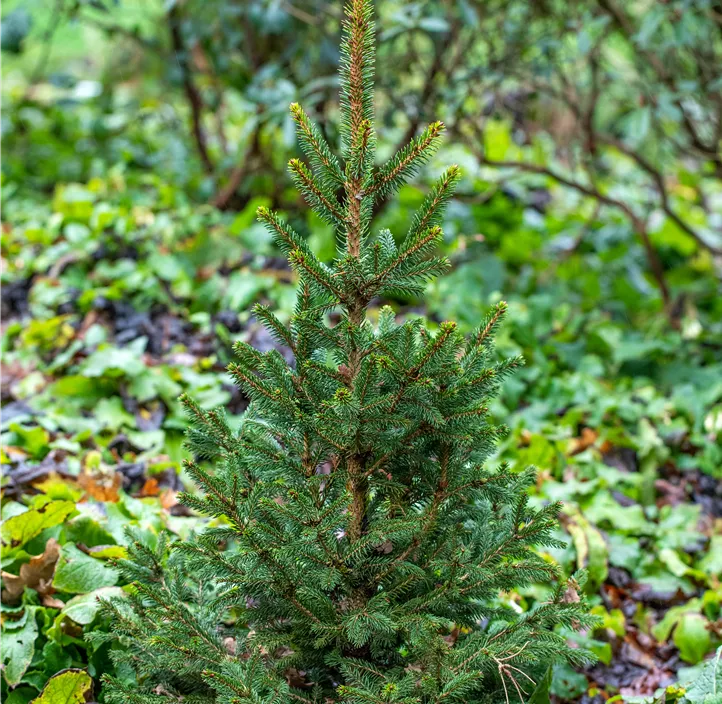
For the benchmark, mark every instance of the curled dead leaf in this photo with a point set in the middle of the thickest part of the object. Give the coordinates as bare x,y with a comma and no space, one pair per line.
36,574
52,602
385,548
571,595
297,678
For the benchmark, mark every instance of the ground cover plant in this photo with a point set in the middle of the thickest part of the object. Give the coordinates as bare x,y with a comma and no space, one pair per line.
122,288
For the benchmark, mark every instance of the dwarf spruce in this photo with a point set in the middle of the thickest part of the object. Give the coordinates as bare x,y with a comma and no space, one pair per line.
360,550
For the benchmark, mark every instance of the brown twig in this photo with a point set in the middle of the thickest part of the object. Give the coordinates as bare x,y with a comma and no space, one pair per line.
239,172
193,95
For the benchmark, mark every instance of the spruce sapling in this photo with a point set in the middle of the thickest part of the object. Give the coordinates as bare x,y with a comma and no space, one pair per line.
359,545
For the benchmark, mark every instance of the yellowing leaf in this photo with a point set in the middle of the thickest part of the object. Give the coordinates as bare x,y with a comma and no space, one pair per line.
592,552
108,552
67,687
18,530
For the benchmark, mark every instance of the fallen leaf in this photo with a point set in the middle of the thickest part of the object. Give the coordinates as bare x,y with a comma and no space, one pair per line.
101,486
452,637
168,499
150,488
36,574
297,678
571,595
15,454
585,440
385,548
52,602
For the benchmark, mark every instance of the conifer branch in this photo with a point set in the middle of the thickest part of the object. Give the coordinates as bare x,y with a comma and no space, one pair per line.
320,199
427,521
280,332
286,238
323,369
316,149
431,209
471,412
298,251
404,447
315,272
407,161
490,324
248,382
432,349
412,247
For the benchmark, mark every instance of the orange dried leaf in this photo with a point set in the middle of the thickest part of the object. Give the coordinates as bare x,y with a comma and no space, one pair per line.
101,486
168,499
585,440
150,488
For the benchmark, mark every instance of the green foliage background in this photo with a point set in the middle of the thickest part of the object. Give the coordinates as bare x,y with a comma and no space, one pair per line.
591,199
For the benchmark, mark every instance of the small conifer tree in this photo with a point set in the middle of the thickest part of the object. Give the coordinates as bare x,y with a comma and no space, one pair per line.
360,546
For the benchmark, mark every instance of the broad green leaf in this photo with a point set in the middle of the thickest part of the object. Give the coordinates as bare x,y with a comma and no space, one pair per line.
18,530
497,139
67,687
18,647
111,413
83,608
78,386
55,658
626,519
12,508
540,695
243,289
247,217
711,563
624,552
638,123
87,531
613,620
113,360
692,637
567,683
35,440
78,573
74,201
707,686
673,562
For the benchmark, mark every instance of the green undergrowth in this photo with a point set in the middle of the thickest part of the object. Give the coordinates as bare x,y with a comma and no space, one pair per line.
120,292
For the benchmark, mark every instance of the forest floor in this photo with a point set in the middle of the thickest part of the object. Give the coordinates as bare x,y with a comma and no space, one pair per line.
113,305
